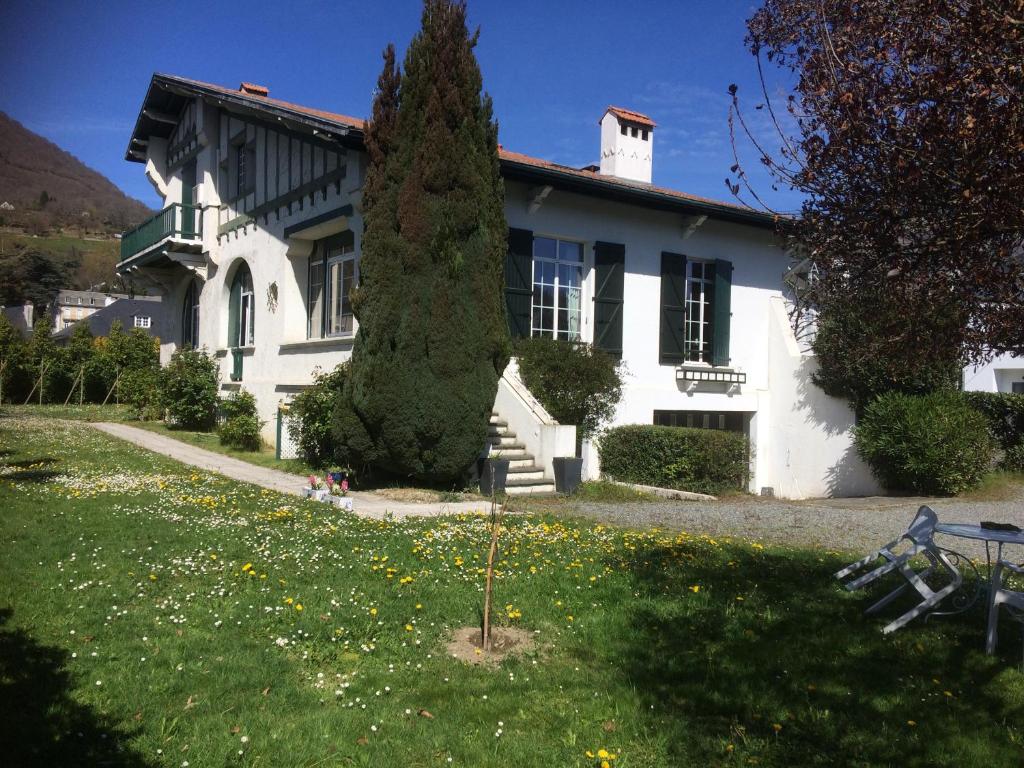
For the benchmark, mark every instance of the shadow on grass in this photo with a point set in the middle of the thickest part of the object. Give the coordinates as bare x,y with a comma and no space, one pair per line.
40,724
770,656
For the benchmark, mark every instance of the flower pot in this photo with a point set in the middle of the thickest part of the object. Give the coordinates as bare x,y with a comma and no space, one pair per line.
493,474
316,494
345,502
568,473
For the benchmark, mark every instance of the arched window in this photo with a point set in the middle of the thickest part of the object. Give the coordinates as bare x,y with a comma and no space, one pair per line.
190,316
241,309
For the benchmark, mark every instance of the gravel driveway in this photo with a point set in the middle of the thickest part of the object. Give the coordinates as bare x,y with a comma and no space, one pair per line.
834,524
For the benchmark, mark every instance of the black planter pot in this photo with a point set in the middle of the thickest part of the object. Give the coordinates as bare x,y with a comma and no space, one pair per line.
493,474
568,473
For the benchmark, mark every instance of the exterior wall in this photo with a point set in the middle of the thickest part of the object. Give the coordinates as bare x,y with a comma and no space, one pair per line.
999,375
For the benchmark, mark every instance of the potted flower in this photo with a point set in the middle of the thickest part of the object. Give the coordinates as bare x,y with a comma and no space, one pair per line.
316,489
338,492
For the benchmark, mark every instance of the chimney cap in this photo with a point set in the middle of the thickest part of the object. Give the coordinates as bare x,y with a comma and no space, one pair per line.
629,116
253,89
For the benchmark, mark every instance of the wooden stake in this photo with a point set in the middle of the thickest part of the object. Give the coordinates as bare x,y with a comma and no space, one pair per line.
81,385
497,516
111,390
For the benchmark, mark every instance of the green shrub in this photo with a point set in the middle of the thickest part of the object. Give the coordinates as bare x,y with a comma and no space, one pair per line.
933,444
576,383
311,413
1013,459
140,389
1004,413
242,432
189,387
701,460
241,427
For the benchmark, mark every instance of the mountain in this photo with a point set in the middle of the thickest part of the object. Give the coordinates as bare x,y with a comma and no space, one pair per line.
52,190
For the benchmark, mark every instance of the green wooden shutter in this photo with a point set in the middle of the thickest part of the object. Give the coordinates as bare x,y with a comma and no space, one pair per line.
234,309
722,313
672,336
519,282
609,290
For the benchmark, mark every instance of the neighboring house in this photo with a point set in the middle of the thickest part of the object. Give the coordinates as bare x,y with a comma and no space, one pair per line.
259,243
20,317
145,312
71,306
6,206
1005,373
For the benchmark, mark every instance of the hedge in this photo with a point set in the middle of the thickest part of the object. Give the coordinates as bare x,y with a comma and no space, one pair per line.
932,444
701,460
1004,413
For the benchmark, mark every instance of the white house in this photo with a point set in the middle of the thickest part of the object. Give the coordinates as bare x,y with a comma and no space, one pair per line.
259,243
1004,373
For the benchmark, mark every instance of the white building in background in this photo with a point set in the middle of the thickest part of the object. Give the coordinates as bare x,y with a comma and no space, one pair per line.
259,244
1004,373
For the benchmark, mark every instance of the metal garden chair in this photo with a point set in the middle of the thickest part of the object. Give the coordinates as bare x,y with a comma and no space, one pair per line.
1000,595
896,556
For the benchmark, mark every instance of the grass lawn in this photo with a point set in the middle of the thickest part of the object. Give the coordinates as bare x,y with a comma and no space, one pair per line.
152,615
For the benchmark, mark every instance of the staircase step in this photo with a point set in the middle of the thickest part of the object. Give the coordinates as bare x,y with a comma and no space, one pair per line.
496,431
504,441
530,487
497,421
525,473
512,454
521,460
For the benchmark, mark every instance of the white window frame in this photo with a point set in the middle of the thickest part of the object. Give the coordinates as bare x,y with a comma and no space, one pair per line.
141,321
581,264
246,310
705,323
328,255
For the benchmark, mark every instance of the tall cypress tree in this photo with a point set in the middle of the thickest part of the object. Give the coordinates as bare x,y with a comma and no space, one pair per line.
432,338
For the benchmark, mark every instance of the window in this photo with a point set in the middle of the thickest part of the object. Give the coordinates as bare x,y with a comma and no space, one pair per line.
644,134
333,273
141,321
730,422
241,310
1017,387
634,132
698,311
245,169
190,316
68,323
623,129
557,289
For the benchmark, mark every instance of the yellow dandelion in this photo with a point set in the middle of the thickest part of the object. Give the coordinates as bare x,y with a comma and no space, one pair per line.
408,627
298,606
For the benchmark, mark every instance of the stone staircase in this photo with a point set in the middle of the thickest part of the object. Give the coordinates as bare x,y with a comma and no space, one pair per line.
524,476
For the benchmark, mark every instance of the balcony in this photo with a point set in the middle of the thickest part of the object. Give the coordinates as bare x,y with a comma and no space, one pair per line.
174,234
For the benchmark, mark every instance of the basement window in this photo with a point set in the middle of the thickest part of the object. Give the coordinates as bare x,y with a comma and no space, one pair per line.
731,421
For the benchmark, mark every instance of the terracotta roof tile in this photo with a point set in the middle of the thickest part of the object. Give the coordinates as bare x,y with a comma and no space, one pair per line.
630,116
504,154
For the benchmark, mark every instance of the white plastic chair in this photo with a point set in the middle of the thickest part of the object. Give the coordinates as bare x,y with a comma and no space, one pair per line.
918,540
1000,595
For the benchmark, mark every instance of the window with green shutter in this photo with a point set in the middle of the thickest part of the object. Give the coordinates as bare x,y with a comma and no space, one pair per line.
671,337
518,282
241,309
722,313
609,294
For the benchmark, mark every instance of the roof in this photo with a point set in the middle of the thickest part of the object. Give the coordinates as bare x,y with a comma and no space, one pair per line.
125,310
630,116
167,93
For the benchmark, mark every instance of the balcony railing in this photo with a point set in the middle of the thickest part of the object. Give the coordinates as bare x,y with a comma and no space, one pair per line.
184,222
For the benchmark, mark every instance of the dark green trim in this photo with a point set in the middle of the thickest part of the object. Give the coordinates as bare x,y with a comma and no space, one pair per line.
722,313
672,316
344,210
609,296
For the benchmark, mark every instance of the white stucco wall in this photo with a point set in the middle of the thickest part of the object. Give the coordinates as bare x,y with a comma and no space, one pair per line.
999,375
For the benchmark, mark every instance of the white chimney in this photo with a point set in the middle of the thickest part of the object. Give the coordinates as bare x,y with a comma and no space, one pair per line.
627,144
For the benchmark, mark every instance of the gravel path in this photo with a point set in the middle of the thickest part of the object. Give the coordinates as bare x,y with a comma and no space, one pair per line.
834,524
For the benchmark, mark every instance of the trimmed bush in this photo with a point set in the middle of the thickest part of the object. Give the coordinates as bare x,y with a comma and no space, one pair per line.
1013,459
241,427
701,460
311,413
189,387
576,383
931,444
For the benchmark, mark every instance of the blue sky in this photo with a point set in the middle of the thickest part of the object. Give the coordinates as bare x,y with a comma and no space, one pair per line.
76,72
